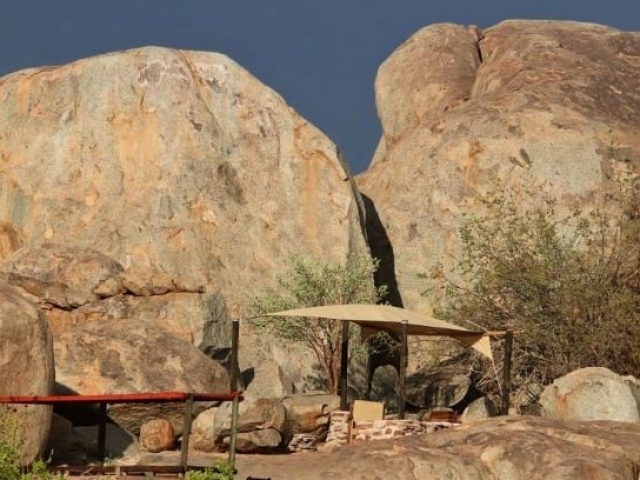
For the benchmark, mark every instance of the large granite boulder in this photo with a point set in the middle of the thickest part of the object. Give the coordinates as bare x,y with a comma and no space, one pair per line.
182,182
592,393
126,356
467,113
180,166
26,359
506,448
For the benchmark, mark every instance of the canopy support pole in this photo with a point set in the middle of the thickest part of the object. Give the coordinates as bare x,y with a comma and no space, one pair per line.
235,373
404,352
344,365
506,371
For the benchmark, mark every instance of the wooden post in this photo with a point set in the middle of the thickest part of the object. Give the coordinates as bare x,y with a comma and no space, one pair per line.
506,371
102,432
234,430
235,406
344,365
234,367
186,433
404,353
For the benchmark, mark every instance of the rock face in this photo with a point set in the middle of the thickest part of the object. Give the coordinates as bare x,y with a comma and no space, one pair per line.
177,183
506,448
466,113
26,368
592,394
185,170
135,356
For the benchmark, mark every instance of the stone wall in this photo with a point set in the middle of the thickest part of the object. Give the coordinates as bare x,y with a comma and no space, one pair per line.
342,429
387,429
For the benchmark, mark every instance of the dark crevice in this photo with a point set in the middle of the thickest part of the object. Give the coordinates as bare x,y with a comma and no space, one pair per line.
382,250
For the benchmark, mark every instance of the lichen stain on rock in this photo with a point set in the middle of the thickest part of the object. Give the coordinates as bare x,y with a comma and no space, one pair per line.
229,176
137,146
10,239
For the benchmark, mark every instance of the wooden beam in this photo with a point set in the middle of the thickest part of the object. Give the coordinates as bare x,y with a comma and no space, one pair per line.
344,366
404,353
506,371
186,432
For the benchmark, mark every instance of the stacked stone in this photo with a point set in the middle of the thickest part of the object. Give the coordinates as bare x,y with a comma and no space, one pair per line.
339,428
387,429
303,442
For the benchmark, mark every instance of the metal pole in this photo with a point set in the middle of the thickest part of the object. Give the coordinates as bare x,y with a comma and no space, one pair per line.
234,367
506,371
102,432
186,432
344,365
404,352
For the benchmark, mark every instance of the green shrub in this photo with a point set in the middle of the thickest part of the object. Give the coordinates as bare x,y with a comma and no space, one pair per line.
311,283
568,283
221,470
10,444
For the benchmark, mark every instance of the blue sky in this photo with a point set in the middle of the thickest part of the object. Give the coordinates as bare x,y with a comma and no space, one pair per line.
321,56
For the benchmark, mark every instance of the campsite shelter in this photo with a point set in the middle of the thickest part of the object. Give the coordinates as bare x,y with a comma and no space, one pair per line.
394,320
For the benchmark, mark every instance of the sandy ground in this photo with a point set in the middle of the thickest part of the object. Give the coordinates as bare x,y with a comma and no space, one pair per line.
275,467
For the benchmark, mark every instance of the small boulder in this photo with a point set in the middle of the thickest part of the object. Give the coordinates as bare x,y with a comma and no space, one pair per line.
592,393
480,409
258,441
157,435
309,413
267,380
254,415
202,438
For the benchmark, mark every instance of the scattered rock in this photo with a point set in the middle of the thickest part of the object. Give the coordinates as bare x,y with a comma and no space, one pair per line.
257,441
309,414
480,409
592,393
202,438
254,415
267,380
157,435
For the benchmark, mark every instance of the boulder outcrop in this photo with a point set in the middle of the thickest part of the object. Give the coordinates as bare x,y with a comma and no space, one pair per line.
468,113
592,393
177,179
128,356
26,357
506,448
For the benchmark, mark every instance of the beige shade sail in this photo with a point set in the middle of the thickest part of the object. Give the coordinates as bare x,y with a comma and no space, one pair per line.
390,319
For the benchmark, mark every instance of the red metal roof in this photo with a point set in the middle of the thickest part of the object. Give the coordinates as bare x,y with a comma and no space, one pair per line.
119,398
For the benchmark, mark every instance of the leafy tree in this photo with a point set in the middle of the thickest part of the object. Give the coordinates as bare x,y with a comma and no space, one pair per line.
568,284
310,283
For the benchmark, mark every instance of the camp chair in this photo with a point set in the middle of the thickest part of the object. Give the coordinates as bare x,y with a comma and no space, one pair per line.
365,411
